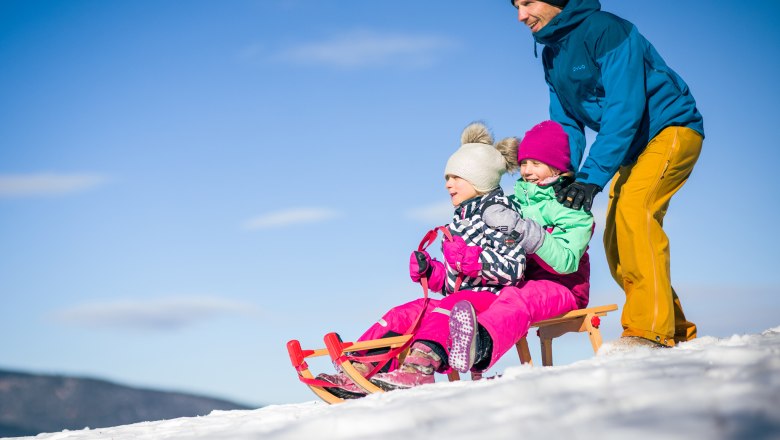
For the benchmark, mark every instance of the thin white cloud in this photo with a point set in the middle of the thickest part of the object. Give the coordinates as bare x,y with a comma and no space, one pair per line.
364,48
47,184
159,314
252,52
290,217
437,213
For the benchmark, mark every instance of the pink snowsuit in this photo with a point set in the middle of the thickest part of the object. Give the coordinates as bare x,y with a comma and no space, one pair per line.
507,316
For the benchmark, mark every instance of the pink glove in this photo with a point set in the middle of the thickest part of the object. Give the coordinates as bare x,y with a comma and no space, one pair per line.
421,264
463,258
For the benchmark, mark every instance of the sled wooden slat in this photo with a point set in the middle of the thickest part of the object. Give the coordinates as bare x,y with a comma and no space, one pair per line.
318,353
319,391
337,349
582,320
598,311
524,352
392,342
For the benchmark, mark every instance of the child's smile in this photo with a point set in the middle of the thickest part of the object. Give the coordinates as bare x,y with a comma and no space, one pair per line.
534,171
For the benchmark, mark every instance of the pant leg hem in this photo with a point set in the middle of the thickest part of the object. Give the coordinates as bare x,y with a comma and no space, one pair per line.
651,336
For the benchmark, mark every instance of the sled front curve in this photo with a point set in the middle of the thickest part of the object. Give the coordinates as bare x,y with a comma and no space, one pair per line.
338,351
298,358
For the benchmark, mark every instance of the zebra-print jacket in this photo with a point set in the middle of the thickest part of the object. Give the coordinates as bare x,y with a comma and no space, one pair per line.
502,265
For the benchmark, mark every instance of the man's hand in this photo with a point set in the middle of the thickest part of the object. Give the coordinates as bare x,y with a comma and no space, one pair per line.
562,183
579,195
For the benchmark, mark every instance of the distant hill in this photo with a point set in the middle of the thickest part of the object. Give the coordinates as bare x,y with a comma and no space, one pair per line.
32,403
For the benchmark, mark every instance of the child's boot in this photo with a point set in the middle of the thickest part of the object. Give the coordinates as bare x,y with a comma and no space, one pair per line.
470,343
343,386
417,369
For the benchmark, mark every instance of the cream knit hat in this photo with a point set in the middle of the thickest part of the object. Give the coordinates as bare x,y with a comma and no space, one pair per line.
480,163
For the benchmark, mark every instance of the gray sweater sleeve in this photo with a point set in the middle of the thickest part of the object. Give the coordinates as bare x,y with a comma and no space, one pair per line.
525,233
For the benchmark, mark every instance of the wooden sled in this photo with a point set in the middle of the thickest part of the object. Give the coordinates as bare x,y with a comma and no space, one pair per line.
583,320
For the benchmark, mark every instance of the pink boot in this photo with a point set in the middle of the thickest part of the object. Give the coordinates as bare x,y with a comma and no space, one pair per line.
417,369
343,386
463,336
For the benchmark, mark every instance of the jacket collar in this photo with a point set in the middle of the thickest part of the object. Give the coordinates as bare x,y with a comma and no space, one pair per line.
469,207
569,18
529,193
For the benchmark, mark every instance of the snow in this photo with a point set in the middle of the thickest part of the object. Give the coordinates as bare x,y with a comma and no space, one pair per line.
708,388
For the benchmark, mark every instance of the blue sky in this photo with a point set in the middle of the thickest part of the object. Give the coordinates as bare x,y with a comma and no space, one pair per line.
185,186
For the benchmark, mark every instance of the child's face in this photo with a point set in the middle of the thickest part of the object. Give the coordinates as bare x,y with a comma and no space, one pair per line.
460,189
534,171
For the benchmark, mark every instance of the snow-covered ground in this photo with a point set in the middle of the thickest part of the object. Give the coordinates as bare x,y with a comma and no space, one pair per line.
705,389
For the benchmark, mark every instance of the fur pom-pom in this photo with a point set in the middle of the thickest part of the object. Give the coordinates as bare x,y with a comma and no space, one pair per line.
508,148
476,133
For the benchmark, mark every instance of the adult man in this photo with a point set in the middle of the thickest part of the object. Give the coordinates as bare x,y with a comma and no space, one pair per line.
604,75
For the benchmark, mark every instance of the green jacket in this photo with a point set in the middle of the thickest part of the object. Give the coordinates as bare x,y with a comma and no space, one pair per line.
568,230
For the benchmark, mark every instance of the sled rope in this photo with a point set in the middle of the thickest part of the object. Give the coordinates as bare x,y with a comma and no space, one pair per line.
381,359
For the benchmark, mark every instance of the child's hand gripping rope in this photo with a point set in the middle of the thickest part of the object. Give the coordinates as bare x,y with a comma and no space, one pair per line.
422,265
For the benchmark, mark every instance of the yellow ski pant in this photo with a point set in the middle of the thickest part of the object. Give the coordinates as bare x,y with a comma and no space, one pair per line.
634,240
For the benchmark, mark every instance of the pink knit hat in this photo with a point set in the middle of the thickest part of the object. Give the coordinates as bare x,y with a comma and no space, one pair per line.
547,143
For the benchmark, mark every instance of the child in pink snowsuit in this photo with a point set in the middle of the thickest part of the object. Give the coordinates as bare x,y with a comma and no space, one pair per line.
473,327
558,270
483,259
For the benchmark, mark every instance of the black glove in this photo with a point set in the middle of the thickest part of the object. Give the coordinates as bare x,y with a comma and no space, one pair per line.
579,195
423,265
561,184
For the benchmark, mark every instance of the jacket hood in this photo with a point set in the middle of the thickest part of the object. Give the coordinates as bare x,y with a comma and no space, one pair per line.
569,18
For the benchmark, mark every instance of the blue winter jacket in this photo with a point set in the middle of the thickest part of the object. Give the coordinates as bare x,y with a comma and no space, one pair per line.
604,75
